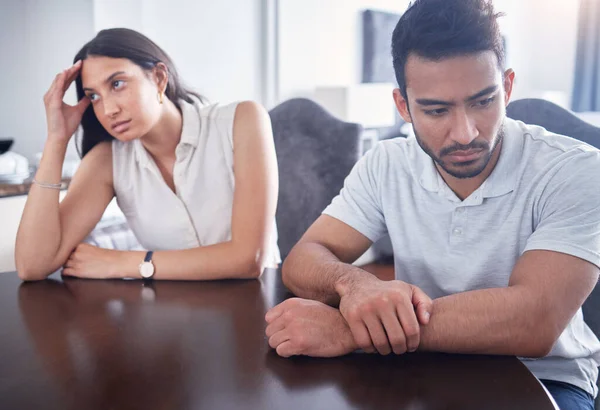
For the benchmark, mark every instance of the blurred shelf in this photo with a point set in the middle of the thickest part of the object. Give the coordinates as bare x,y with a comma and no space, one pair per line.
8,190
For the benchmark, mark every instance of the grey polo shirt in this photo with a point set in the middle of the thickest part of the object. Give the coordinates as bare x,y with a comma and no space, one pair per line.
544,193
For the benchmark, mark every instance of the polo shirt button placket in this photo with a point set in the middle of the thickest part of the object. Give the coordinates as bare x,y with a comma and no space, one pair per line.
458,219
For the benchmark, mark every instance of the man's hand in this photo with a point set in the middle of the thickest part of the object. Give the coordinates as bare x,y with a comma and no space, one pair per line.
307,327
384,315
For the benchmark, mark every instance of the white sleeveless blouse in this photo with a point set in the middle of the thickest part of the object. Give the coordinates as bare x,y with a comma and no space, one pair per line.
199,213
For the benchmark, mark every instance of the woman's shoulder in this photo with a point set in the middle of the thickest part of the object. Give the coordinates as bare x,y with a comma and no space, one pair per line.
232,110
221,119
250,109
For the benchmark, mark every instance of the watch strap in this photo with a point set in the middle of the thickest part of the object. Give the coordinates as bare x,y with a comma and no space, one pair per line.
148,257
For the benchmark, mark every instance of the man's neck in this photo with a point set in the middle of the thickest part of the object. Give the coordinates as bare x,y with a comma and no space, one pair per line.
464,187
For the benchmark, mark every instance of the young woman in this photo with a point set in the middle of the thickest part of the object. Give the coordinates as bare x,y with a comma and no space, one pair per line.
197,183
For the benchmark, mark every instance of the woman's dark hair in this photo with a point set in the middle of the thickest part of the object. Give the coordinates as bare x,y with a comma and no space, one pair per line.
437,29
134,46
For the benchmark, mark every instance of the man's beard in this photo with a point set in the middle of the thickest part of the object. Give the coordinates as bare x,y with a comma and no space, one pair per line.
469,169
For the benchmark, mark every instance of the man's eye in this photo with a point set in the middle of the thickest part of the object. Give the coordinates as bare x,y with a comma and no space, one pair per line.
486,102
436,112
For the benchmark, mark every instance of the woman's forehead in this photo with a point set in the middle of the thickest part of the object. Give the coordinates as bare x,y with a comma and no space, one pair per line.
96,69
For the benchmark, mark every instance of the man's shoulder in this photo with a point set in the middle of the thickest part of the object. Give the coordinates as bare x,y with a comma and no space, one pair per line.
539,141
390,156
543,152
394,149
402,143
552,161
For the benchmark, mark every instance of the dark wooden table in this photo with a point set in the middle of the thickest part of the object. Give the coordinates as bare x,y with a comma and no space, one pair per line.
82,344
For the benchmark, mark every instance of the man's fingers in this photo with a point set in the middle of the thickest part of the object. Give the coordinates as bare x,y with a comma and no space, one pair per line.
286,349
278,338
361,336
423,305
275,312
281,308
410,325
274,327
394,331
378,336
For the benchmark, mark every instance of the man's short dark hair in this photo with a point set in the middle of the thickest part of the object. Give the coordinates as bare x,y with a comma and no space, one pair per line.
437,29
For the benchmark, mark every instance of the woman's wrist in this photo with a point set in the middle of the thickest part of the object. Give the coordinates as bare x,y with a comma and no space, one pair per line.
53,155
50,167
129,263
55,145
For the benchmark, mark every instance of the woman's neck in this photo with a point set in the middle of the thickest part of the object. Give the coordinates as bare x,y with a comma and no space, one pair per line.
162,140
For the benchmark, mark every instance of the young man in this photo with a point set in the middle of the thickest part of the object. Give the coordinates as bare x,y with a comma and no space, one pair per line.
495,224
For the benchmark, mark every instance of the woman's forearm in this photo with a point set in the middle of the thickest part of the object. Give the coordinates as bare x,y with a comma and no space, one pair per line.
226,260
39,234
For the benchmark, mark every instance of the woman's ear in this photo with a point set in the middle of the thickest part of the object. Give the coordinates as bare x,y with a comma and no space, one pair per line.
161,77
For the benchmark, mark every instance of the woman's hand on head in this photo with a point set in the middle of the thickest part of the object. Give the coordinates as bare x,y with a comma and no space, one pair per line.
63,119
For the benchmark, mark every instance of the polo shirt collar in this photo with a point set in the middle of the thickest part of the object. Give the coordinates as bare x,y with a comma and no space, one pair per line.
501,181
503,178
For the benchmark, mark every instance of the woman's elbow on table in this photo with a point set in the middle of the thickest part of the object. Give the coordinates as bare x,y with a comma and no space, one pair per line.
30,269
250,263
26,272
251,268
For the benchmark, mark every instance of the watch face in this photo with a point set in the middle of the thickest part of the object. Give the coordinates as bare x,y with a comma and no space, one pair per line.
146,269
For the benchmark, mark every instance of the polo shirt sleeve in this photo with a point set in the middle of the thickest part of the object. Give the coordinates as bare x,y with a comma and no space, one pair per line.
359,202
569,210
